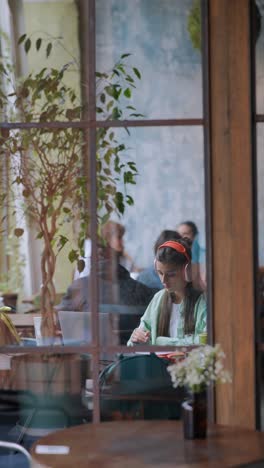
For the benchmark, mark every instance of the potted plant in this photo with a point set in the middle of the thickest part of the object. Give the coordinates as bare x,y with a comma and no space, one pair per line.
45,166
203,367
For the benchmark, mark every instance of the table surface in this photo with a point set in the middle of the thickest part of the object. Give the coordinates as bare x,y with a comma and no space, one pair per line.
148,444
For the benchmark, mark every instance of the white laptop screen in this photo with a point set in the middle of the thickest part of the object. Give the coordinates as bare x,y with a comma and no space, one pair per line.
75,327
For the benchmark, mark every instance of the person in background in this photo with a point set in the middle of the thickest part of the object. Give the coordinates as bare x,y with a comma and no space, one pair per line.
112,234
115,286
189,229
177,314
149,276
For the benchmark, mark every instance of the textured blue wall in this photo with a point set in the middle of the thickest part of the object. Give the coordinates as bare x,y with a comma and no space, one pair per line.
170,185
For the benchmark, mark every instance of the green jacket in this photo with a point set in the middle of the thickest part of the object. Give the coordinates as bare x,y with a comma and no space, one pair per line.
149,321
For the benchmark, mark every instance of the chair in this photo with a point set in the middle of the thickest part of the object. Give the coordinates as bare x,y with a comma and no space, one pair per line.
22,459
42,395
139,387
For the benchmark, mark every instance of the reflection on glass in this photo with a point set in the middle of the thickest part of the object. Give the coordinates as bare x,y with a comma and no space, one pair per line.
163,47
43,393
138,386
167,190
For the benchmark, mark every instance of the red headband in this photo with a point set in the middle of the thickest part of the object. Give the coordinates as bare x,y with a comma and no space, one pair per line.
176,246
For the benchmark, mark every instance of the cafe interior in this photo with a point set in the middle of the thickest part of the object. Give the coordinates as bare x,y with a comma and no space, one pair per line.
121,120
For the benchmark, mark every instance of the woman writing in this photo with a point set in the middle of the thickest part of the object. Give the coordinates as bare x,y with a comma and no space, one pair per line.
177,314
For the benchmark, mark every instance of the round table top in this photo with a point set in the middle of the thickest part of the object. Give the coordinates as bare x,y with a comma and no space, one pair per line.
152,443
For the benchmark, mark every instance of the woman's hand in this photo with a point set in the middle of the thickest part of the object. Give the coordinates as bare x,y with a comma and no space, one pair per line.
140,336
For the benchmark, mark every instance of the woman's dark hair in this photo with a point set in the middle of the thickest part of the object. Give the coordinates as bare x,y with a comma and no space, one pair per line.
192,226
171,256
164,236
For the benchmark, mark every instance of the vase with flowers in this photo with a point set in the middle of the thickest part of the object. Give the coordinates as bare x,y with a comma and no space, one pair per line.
203,367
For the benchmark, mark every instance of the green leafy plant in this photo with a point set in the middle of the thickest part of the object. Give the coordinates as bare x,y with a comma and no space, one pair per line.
202,367
45,165
194,24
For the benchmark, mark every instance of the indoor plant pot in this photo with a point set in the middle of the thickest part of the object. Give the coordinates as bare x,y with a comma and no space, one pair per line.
194,416
203,367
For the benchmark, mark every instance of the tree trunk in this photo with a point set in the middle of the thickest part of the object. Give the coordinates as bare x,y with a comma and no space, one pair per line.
48,292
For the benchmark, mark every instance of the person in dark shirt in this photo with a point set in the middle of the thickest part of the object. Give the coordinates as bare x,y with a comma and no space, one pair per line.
116,288
121,289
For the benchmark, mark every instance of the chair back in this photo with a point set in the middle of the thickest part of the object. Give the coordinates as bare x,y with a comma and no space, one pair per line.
139,387
18,460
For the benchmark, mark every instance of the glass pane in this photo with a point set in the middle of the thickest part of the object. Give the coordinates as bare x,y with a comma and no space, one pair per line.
42,394
261,386
163,38
160,184
45,219
40,72
260,201
259,33
138,386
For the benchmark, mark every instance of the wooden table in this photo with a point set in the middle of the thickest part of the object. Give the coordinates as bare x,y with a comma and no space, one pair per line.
138,444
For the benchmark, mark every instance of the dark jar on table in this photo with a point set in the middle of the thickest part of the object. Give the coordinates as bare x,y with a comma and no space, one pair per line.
194,416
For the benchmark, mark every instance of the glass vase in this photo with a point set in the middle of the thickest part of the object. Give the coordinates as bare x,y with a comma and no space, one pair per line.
194,416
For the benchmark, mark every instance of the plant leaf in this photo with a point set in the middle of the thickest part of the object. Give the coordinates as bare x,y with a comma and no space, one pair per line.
48,49
125,55
137,72
38,43
127,92
73,255
80,265
22,38
18,232
27,45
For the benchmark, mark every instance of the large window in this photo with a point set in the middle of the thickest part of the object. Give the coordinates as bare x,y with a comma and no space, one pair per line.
104,134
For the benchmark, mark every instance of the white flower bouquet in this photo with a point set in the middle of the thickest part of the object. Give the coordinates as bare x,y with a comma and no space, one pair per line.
202,367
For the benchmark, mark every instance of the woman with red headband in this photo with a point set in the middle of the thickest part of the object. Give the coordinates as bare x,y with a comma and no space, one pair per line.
177,314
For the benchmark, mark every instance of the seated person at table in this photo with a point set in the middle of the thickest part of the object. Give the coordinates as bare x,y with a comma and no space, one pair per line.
113,235
177,314
115,286
149,276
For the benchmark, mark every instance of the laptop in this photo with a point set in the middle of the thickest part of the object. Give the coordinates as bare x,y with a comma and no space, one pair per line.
75,327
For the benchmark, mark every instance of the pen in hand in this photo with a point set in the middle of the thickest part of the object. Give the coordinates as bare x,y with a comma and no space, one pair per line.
141,335
146,325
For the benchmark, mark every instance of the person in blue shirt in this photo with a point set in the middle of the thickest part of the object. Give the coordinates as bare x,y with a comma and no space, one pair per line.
189,229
